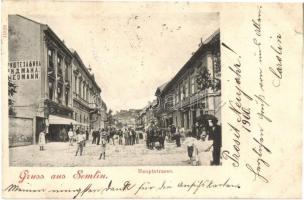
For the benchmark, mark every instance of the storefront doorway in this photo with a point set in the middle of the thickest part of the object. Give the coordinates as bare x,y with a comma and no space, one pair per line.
58,133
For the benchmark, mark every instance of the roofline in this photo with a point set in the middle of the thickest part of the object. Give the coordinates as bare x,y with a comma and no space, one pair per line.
52,33
29,19
78,58
195,55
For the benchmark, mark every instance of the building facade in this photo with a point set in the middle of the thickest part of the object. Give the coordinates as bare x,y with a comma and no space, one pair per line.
87,103
147,115
182,101
42,67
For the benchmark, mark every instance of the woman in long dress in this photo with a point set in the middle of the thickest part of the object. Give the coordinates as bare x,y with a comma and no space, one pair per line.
103,145
41,140
203,153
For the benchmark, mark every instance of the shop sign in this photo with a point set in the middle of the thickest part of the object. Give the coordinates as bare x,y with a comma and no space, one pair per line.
24,70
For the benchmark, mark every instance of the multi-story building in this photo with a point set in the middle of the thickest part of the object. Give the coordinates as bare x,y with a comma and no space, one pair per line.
87,103
147,115
43,68
181,100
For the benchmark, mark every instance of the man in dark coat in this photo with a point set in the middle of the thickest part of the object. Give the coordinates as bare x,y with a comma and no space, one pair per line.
173,130
98,136
87,134
216,133
162,138
94,135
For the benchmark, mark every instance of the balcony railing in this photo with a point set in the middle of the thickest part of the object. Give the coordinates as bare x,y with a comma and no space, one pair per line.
77,97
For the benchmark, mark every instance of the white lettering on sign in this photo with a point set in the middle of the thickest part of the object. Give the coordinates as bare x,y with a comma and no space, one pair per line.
24,70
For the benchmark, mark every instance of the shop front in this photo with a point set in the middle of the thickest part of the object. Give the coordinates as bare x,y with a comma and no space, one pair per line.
58,128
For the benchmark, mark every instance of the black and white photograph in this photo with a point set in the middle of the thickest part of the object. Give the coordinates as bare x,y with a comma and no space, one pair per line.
132,88
148,100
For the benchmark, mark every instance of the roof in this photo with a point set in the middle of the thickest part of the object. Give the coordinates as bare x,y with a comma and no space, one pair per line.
82,65
161,88
196,55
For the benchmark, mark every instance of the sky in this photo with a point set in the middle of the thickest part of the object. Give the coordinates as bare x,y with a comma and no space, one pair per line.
132,48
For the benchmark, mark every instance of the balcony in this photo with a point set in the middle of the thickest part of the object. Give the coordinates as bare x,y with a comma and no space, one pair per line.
80,100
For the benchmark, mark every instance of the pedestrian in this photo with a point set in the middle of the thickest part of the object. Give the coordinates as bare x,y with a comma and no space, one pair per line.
71,135
172,132
108,134
83,137
189,141
98,136
216,134
126,136
129,137
148,138
103,144
94,135
177,137
42,140
112,133
79,139
120,136
202,155
162,138
87,134
137,137
132,137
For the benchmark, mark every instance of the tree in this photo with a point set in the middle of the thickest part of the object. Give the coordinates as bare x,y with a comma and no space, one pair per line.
12,89
205,81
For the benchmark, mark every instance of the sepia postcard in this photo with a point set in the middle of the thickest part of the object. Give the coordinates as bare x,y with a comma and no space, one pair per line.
134,99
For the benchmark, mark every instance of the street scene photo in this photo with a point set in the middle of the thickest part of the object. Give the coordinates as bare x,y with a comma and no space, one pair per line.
135,88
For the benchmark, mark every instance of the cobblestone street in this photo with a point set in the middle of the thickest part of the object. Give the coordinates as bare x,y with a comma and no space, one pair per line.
60,154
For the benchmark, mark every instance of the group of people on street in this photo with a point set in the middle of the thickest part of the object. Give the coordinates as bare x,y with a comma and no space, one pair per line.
200,142
206,137
102,137
155,137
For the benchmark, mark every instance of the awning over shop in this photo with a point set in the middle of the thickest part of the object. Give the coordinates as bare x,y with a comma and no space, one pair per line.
53,119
